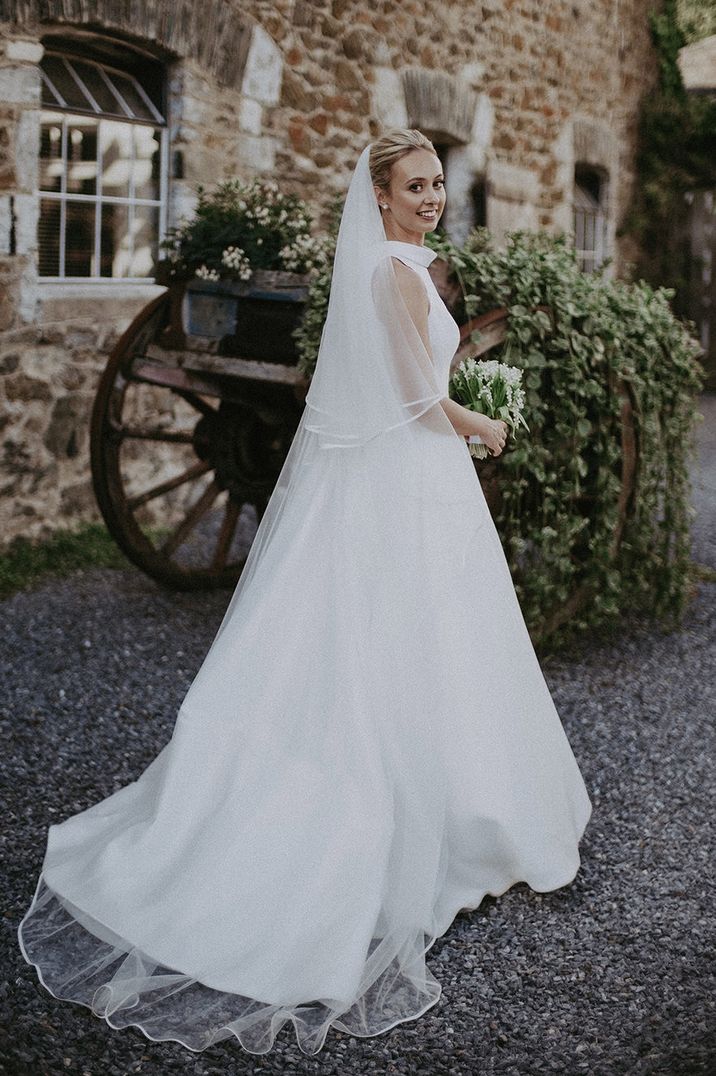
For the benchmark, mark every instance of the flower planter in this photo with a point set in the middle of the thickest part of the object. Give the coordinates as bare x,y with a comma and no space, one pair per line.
254,318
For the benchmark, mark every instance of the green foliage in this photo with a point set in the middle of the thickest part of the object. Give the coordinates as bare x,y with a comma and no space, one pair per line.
676,155
561,483
697,18
25,563
255,222
308,333
668,37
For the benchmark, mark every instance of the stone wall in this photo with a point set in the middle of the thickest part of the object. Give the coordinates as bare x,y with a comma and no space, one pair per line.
697,63
517,91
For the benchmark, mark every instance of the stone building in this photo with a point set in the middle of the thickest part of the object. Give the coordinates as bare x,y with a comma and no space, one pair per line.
111,113
698,70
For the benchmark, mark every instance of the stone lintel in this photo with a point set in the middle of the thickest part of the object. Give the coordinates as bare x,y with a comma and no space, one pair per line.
259,153
263,70
697,63
23,51
250,116
594,143
439,104
19,84
388,99
511,183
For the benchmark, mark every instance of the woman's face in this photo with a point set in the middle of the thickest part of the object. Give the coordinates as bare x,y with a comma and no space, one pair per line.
416,198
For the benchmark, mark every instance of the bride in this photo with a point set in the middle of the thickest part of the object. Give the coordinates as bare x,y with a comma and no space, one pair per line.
369,746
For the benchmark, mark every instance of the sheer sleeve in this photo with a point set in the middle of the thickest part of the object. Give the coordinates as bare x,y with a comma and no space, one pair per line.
380,373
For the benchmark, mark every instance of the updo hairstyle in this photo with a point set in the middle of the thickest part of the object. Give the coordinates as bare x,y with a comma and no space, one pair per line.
390,148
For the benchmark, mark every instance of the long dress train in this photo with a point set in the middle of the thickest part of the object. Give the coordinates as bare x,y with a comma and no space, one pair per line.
369,747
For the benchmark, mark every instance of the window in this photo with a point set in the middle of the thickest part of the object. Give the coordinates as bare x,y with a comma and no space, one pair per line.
466,203
478,194
590,218
103,151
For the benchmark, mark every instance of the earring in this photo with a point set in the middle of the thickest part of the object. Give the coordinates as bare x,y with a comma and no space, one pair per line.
383,205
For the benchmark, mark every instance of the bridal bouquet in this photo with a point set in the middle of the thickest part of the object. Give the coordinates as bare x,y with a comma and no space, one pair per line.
493,388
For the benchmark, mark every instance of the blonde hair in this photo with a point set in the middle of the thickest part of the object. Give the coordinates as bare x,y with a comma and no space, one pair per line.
390,148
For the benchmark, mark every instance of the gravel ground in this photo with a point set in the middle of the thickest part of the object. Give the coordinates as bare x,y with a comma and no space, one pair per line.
612,974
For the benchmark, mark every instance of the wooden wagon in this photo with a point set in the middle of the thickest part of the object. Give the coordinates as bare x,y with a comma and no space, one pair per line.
188,437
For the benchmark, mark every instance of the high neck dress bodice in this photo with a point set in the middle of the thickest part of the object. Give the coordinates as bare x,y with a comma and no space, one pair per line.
442,327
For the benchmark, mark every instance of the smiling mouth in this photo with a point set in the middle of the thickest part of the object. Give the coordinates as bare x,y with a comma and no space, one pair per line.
428,213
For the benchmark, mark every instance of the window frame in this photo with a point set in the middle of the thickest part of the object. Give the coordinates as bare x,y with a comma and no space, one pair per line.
594,212
63,196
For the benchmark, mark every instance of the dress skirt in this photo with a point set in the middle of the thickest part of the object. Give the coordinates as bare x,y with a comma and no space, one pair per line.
369,748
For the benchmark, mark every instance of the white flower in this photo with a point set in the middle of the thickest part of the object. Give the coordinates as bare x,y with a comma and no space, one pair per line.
204,273
487,379
303,252
235,259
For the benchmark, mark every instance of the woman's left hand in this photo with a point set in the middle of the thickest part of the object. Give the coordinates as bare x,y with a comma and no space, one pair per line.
494,434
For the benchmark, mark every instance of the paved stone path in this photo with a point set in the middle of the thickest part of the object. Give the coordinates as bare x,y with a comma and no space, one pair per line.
611,975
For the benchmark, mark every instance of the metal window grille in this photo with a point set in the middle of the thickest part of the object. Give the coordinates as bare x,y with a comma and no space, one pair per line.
590,229
103,169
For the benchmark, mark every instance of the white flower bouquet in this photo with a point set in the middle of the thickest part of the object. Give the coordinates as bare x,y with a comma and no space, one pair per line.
492,388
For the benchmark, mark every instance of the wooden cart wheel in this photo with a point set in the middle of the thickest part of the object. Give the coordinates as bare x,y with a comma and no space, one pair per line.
184,460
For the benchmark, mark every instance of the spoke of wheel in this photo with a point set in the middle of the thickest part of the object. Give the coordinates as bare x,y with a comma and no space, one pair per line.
195,471
196,401
226,534
153,435
191,519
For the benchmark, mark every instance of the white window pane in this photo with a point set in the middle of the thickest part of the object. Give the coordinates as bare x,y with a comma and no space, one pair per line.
81,155
115,243
147,161
579,230
48,237
79,240
49,93
51,163
131,96
145,230
97,86
63,81
116,145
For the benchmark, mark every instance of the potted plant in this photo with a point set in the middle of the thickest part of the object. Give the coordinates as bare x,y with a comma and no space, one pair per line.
245,260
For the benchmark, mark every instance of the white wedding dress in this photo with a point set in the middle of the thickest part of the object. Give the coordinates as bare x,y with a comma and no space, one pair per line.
368,748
